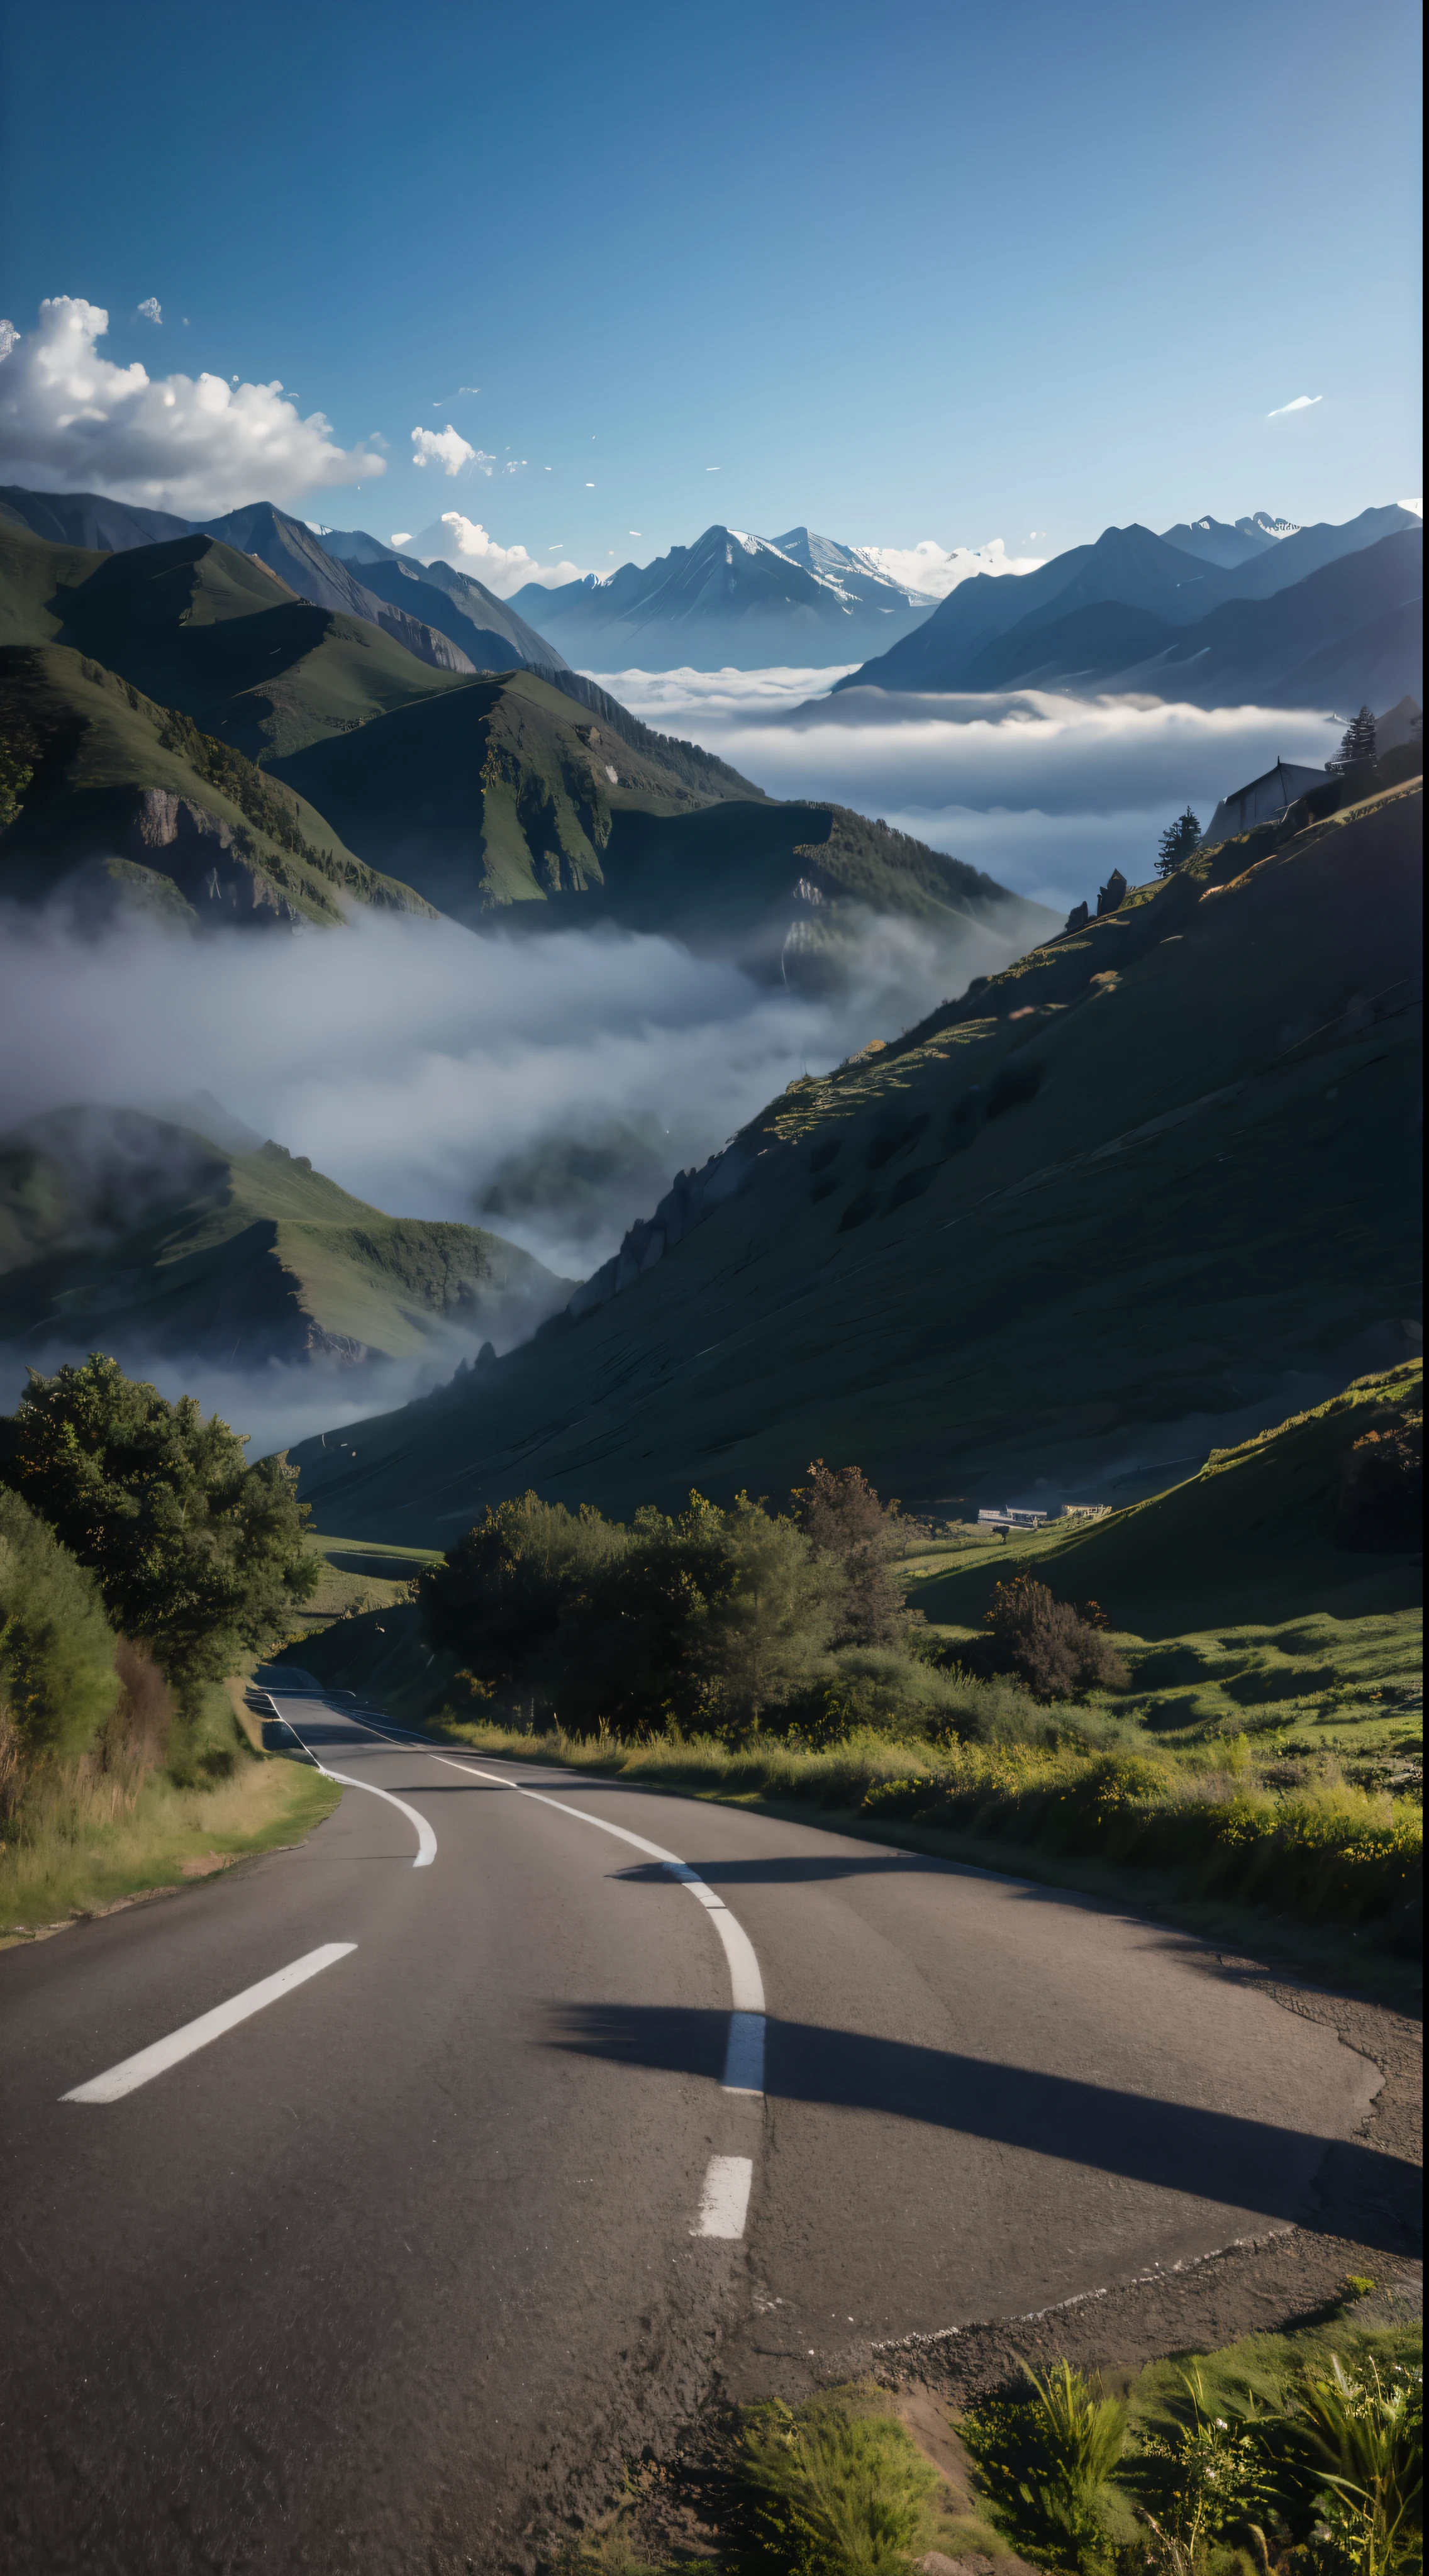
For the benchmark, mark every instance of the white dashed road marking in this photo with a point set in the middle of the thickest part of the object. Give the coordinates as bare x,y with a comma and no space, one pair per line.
131,2072
725,2201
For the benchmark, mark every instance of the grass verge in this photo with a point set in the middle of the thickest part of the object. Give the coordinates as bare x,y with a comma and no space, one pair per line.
1196,2465
90,1839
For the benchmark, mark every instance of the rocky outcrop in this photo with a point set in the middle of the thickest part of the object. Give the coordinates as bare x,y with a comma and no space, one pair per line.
1077,917
202,857
422,640
691,1197
1112,895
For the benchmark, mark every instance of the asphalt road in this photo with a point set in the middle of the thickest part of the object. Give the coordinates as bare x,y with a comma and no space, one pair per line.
382,2271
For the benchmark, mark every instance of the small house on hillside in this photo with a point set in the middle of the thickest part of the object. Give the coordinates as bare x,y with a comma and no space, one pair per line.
1261,802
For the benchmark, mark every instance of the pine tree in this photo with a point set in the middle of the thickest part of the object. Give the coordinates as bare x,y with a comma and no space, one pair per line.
1177,843
1358,743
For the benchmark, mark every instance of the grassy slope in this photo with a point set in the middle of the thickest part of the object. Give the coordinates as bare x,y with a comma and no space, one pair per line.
1252,1536
255,1252
100,741
194,624
503,795
950,1281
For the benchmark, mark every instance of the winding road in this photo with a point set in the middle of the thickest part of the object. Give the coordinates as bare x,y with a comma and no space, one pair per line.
367,2204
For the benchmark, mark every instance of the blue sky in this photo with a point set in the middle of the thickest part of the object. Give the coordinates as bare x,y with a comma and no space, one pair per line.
918,271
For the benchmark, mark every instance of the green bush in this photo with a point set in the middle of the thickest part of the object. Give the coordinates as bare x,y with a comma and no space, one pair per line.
1046,2461
1349,2446
1057,1649
58,1684
834,2492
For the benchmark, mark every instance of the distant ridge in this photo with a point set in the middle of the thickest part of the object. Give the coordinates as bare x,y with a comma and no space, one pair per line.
1127,568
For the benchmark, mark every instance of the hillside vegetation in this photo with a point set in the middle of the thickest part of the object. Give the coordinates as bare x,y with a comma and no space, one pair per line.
127,800
1160,1172
123,1229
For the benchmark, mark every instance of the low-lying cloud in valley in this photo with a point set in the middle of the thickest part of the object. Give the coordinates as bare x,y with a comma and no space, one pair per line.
1047,793
548,1086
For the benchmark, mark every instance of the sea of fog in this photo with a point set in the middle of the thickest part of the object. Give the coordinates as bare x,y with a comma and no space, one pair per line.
1047,793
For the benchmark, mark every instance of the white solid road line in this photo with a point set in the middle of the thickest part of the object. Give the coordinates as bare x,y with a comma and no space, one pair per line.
426,1839
141,2069
744,2055
724,2204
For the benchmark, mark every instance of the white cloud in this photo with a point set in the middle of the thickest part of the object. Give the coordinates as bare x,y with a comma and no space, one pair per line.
151,309
400,537
936,569
447,448
467,545
1302,402
70,420
1416,506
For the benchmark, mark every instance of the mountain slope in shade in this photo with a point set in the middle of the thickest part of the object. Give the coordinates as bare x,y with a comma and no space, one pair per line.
1350,630
1216,541
213,632
289,548
1064,1226
87,519
121,1227
131,806
484,627
318,570
1127,567
730,600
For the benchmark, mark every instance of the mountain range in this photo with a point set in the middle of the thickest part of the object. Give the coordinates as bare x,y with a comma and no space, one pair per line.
150,1233
730,600
1006,633
1155,1183
206,743
471,630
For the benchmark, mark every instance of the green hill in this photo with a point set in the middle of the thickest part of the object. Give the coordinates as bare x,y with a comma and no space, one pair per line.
130,800
1120,1193
126,1230
1260,1533
196,625
507,792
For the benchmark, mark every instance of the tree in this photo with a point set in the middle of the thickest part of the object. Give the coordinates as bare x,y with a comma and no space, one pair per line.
198,1555
1357,743
498,1596
1179,840
843,1520
772,1613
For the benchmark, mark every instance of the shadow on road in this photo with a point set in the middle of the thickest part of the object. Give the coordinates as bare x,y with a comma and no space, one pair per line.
1212,2155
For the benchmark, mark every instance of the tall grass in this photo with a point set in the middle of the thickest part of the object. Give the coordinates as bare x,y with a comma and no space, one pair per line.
1321,1852
78,1834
